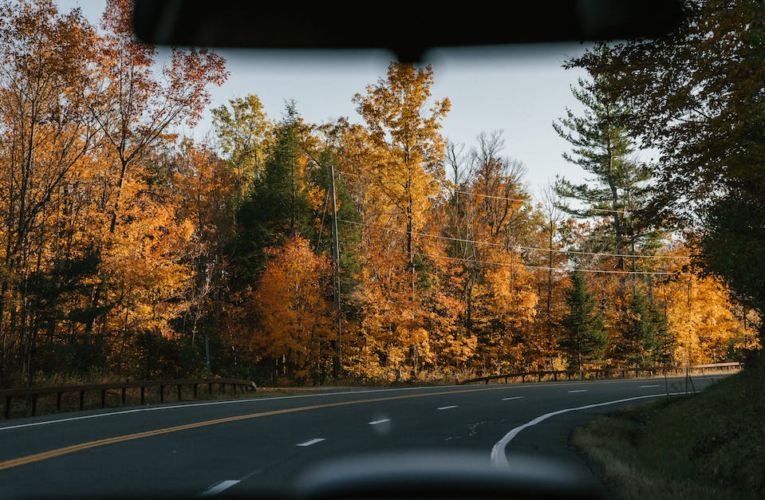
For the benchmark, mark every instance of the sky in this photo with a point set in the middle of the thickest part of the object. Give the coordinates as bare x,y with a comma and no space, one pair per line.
519,90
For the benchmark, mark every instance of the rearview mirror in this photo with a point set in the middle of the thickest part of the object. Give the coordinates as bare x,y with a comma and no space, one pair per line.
407,29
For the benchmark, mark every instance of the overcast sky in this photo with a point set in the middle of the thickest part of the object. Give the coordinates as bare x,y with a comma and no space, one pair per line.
517,90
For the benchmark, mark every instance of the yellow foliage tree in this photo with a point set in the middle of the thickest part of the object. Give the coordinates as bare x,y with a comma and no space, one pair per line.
293,313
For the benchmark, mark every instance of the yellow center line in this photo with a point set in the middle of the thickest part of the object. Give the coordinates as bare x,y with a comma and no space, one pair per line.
38,457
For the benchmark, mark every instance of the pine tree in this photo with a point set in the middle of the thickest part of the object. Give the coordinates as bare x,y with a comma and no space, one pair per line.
638,331
277,207
664,341
583,338
602,148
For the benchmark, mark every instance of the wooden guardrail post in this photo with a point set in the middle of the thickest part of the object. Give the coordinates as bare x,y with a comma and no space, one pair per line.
59,395
143,395
82,400
179,392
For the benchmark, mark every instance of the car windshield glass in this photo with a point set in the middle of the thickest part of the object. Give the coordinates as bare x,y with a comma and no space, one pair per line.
530,269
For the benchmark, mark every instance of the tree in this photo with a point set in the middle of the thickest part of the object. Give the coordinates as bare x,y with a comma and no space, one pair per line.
638,331
553,217
134,109
278,206
696,97
402,136
583,337
410,145
293,313
46,134
602,147
664,341
243,130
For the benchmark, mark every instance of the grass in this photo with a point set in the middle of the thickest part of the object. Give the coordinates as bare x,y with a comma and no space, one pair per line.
707,446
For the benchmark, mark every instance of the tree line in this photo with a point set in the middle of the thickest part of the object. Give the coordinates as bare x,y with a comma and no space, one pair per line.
129,250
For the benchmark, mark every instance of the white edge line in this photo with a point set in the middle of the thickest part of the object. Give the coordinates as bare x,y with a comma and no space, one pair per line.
498,455
514,397
218,488
446,407
381,421
213,403
645,386
311,442
579,390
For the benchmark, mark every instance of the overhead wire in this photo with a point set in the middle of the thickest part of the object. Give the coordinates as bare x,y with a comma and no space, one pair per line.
523,247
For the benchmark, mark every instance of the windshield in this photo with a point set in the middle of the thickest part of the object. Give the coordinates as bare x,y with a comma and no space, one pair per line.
222,267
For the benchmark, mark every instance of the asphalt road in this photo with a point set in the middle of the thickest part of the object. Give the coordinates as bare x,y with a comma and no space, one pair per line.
261,444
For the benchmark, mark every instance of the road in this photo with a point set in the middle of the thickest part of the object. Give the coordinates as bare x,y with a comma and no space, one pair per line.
260,444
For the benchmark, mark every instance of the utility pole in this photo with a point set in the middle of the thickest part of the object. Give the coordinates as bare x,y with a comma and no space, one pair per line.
688,379
337,360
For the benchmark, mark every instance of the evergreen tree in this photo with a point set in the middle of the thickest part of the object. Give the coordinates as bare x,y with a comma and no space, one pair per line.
664,340
638,331
277,207
602,148
583,337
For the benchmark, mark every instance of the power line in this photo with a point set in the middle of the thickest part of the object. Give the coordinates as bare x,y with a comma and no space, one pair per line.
488,243
525,200
522,200
585,270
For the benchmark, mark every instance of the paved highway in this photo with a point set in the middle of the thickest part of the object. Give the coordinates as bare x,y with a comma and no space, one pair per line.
208,448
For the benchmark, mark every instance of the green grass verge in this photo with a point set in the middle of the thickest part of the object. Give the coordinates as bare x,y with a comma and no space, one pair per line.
710,445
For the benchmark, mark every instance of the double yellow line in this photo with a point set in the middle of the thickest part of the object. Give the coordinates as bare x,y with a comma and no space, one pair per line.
38,457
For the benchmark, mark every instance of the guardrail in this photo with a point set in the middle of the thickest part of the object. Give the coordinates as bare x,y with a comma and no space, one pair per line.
35,392
603,372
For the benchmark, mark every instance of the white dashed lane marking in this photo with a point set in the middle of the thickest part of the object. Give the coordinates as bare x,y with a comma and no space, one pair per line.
311,442
515,397
381,421
446,407
580,390
218,488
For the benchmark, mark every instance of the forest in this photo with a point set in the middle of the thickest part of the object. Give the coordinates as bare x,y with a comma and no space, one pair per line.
131,251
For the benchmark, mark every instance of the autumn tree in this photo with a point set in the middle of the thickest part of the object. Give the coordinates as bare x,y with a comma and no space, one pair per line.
294,320
407,136
134,109
47,133
402,127
243,130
